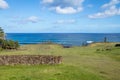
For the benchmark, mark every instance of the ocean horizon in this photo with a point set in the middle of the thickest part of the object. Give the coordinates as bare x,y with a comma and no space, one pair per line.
74,39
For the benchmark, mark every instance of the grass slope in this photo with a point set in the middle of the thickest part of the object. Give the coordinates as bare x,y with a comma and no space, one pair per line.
79,63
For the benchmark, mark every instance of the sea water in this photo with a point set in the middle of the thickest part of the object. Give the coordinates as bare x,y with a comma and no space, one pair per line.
74,39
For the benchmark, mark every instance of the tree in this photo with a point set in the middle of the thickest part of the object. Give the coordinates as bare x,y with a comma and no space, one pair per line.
2,34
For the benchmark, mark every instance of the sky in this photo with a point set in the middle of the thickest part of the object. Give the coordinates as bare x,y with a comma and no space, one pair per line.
60,16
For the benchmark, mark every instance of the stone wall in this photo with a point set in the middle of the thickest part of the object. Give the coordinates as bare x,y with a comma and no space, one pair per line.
29,59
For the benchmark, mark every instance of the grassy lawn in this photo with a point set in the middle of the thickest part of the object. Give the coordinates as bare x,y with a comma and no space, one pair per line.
79,63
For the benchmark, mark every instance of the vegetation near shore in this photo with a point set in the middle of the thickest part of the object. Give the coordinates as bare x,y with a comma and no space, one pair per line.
93,62
2,34
7,44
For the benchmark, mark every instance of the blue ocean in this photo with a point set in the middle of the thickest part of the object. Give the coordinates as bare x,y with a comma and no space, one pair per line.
74,39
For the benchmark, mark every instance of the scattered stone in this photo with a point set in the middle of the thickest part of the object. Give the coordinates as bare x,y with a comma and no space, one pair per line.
66,46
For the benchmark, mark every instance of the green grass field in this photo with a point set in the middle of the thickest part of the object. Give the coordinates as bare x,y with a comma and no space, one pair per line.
79,63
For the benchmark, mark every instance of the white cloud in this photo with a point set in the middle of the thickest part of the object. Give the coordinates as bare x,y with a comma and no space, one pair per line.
64,6
65,21
74,2
111,9
111,3
48,1
32,19
107,13
3,4
67,10
89,5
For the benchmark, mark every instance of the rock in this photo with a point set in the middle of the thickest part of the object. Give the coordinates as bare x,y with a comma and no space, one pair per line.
29,59
117,45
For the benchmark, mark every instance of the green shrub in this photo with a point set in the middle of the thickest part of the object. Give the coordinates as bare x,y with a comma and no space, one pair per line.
9,44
